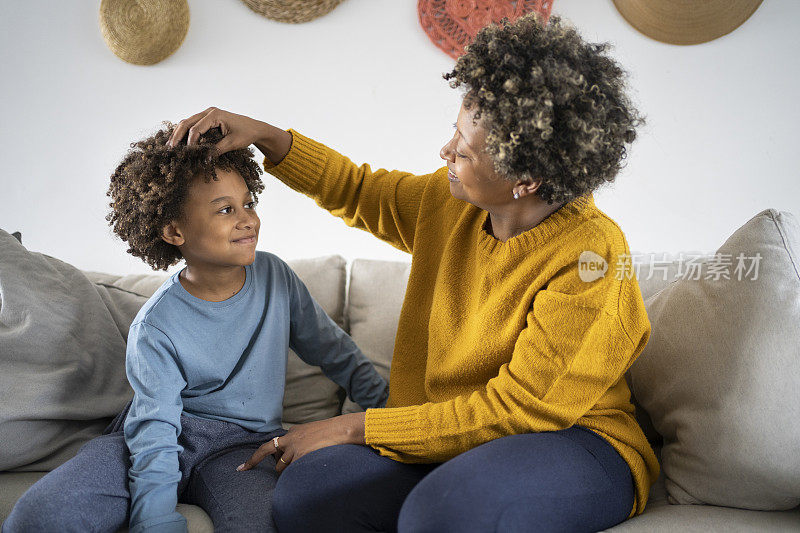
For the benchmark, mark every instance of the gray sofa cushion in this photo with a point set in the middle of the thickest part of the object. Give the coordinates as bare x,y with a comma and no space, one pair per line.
62,372
720,376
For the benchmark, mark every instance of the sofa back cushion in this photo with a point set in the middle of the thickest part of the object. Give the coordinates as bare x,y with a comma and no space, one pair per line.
375,297
720,376
654,272
309,394
62,366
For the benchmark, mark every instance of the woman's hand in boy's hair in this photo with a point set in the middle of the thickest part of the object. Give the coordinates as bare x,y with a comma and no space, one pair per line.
305,438
238,132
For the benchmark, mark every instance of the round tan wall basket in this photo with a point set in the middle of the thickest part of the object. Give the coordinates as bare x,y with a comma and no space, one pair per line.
144,32
292,11
686,21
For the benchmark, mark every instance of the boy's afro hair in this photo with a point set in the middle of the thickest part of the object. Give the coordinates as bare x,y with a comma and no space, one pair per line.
149,187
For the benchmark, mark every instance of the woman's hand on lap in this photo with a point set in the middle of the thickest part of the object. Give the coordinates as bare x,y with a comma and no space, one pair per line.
305,438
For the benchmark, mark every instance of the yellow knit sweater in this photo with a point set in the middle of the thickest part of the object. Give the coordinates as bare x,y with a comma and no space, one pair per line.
495,337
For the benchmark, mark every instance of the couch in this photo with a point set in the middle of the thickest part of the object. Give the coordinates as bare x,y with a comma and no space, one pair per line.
365,296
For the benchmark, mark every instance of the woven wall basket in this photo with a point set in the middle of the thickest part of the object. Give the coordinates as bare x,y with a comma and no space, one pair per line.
144,32
292,11
453,24
686,22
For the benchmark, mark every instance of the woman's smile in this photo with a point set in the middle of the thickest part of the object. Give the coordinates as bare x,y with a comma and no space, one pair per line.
452,177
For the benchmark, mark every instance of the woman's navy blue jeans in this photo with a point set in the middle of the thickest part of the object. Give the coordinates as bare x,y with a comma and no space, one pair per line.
569,480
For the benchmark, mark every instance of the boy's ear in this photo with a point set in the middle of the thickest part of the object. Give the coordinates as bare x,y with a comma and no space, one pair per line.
172,234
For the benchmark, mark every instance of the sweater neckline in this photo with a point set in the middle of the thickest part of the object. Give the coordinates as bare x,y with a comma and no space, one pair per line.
248,278
564,217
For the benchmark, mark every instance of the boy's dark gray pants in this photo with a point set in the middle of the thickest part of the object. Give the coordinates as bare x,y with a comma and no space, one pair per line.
90,491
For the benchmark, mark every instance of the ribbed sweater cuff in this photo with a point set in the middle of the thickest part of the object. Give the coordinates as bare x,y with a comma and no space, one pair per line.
399,429
302,166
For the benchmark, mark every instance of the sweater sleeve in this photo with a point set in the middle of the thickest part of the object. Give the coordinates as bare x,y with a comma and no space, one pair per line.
385,203
151,431
319,341
563,361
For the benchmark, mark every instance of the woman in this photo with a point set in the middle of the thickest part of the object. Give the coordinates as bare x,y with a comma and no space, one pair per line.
508,407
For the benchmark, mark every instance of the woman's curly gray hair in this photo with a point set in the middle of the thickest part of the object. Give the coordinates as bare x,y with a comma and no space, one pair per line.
554,106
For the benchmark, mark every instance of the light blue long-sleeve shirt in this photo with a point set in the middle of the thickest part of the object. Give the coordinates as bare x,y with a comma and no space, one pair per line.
224,361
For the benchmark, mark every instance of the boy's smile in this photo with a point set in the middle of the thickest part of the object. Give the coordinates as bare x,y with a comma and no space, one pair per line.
220,225
217,233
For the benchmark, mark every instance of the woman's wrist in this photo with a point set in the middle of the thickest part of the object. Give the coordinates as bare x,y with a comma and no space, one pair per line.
273,142
354,428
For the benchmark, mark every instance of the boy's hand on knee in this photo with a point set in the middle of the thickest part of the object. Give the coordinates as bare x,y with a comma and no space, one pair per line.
305,438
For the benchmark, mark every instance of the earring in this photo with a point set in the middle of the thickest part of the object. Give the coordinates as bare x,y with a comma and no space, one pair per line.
516,196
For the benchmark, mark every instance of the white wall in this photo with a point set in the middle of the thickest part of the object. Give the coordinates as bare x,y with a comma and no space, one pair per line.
365,79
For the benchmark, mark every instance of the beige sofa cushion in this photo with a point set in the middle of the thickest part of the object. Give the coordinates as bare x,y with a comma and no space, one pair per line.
309,394
661,517
376,295
654,271
720,376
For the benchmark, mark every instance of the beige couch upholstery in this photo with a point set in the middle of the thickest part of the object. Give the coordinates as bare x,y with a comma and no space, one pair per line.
365,297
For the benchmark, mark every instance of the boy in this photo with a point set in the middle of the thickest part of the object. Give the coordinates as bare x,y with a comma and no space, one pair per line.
206,355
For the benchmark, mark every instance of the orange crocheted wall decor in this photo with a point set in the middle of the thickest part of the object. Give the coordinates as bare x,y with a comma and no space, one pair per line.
453,24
